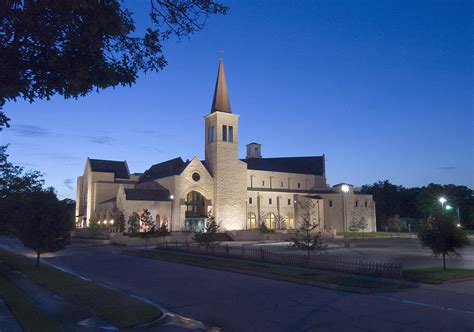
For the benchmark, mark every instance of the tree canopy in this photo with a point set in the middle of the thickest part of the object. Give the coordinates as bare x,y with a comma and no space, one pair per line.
441,234
419,202
14,183
43,223
73,47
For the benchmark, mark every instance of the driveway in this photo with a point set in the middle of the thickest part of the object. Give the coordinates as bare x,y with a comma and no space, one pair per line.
237,302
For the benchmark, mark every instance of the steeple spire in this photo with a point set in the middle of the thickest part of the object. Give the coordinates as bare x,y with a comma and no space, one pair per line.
221,102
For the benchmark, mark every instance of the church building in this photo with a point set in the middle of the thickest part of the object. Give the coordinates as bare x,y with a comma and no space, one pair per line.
239,193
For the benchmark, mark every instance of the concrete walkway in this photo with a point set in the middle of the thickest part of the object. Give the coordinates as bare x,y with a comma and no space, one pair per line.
8,322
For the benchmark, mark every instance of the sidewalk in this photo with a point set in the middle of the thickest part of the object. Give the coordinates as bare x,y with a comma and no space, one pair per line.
8,322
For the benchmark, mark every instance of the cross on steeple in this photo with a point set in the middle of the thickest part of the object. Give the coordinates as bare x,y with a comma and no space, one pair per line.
220,53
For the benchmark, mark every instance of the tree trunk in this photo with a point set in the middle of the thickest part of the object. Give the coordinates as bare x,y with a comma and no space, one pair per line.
37,259
444,261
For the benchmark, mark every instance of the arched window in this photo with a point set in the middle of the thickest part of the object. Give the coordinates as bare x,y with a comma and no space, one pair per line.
289,221
158,221
270,220
251,221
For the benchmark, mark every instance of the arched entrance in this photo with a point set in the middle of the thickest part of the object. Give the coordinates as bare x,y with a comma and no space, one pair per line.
196,212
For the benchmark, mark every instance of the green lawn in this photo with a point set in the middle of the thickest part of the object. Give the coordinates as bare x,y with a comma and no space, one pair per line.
114,307
269,270
375,234
31,318
437,276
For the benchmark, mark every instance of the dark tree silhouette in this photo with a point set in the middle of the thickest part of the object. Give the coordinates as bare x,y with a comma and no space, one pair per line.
43,223
73,47
14,181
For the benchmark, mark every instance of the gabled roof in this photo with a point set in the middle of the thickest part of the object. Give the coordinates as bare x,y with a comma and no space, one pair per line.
298,165
221,102
167,168
147,195
119,168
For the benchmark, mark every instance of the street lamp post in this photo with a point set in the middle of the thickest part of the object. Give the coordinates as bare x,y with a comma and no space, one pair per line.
442,200
449,208
171,214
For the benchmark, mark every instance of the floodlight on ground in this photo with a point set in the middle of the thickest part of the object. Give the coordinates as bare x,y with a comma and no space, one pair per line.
449,207
111,221
459,225
345,188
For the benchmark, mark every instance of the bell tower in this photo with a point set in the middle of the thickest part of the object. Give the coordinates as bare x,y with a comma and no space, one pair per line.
221,157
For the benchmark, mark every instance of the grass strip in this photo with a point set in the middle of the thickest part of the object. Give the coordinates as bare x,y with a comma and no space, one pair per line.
436,275
30,317
269,270
114,307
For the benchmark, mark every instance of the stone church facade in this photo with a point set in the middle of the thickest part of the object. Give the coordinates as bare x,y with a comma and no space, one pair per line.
239,193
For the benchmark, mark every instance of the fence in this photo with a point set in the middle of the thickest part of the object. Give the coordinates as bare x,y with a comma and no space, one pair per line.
319,261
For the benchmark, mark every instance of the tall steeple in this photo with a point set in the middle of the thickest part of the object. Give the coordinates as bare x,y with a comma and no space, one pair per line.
221,102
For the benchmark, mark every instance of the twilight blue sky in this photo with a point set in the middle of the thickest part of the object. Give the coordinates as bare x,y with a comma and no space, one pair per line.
383,88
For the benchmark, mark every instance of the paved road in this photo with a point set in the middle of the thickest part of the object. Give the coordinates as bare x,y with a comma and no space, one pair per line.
237,302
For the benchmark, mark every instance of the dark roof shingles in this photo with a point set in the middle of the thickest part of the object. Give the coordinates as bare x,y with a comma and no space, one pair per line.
298,165
119,168
167,168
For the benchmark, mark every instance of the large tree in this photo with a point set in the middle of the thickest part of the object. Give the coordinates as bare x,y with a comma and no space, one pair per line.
441,234
73,47
43,223
14,182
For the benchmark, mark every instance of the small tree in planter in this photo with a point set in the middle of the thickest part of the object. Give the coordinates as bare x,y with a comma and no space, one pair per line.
441,234
207,236
147,225
133,224
280,221
163,231
119,219
94,226
308,236
263,229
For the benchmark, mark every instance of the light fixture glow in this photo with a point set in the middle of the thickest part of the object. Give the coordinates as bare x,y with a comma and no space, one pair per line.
459,225
171,197
111,221
345,188
449,207
442,200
